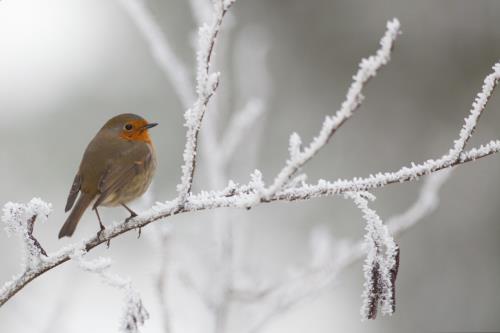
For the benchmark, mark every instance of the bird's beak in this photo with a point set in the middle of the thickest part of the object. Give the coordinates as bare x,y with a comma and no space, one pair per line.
148,126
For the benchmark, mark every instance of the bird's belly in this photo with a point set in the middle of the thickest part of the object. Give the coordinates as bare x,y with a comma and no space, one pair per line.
134,189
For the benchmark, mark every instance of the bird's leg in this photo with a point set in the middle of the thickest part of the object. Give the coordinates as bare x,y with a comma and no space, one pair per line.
132,213
101,226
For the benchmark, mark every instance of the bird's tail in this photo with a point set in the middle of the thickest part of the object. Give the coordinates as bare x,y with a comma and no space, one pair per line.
76,213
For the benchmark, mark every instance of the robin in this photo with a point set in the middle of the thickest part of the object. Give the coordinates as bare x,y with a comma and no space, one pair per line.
117,167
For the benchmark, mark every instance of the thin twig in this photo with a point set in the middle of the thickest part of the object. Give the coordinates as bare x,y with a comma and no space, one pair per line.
206,84
367,69
30,227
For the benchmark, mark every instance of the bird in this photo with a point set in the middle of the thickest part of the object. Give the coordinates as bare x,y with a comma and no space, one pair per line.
117,167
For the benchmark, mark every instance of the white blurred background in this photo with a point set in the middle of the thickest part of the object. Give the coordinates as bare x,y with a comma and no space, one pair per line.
68,66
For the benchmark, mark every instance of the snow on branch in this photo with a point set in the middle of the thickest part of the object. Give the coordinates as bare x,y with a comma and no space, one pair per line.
478,106
367,69
381,263
456,155
134,313
20,219
206,84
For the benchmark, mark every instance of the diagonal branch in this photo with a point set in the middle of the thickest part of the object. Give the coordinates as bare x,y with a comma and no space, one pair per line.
367,69
203,201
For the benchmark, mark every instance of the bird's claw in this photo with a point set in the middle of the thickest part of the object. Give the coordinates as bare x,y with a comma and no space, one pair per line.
130,217
99,233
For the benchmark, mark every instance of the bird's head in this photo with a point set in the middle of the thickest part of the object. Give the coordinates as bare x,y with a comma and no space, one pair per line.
130,127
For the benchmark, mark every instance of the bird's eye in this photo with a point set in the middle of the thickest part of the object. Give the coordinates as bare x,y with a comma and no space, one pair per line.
128,127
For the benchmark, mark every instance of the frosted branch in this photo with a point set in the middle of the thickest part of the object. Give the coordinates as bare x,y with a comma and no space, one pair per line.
206,84
134,314
367,69
381,263
478,106
20,219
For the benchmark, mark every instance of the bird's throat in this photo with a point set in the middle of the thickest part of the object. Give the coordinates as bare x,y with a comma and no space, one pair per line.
141,135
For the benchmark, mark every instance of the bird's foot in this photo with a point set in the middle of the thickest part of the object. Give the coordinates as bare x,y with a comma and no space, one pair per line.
132,215
139,232
99,233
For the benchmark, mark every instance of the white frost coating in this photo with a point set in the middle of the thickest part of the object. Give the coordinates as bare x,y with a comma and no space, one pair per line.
478,107
367,69
484,150
378,261
206,84
257,183
16,215
170,64
134,313
297,181
20,219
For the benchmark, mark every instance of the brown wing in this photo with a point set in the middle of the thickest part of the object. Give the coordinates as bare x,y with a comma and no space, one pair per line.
119,175
73,192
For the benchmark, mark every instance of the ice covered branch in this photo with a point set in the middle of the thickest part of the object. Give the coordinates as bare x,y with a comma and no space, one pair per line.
381,263
206,84
20,219
367,69
134,314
